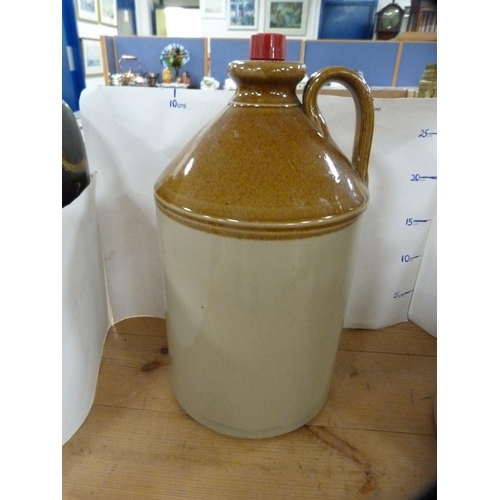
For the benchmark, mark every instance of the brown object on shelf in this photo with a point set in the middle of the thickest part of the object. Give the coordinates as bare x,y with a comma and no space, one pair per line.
417,36
423,16
375,437
264,170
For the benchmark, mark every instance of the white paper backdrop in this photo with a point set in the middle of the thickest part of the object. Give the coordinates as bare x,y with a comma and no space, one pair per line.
85,318
132,134
403,179
423,306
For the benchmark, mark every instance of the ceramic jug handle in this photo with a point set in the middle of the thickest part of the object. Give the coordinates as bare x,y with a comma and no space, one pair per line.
364,111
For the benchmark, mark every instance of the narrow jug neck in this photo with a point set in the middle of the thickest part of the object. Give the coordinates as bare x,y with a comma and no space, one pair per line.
266,83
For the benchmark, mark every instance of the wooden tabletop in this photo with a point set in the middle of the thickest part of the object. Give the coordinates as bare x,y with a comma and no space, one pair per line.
375,437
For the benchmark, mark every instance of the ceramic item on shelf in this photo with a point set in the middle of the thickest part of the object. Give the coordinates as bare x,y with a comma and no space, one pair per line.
209,83
150,78
166,75
186,79
75,169
258,219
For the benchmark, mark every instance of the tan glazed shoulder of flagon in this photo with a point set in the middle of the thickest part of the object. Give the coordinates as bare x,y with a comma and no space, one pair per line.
261,169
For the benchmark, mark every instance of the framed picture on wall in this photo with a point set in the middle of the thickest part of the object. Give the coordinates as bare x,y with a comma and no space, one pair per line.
213,9
289,18
243,14
107,12
92,57
87,10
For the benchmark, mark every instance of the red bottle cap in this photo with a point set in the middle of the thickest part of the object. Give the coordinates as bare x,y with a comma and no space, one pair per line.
268,46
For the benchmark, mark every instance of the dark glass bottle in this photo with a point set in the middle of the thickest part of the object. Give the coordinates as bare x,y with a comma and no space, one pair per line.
75,168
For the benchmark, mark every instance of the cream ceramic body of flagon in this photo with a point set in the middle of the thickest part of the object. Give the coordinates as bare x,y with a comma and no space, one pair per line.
253,325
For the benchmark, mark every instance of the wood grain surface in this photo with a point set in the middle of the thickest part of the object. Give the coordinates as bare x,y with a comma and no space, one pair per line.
374,439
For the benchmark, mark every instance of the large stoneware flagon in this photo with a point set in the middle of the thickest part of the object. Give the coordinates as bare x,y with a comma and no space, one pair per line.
258,220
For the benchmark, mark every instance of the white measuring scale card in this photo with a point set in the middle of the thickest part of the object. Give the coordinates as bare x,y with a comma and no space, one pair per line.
132,134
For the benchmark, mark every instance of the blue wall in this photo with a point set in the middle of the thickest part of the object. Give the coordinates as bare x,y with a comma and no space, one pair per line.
376,60
414,58
383,63
73,81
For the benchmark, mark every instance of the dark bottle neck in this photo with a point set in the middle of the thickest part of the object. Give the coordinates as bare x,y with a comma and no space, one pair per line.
266,83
